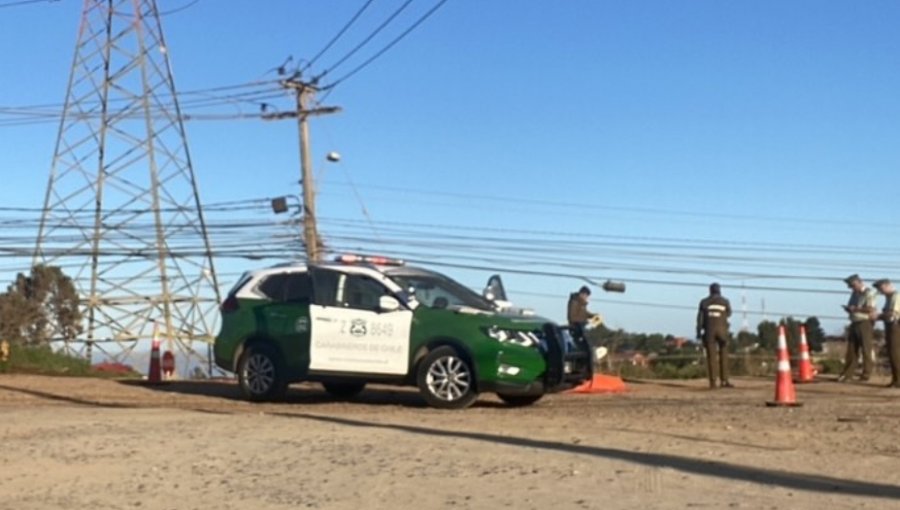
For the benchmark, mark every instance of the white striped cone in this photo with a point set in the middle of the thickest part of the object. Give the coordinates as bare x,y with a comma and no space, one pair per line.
784,386
805,370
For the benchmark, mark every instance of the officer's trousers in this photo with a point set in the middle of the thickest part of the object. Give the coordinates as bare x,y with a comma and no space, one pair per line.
892,338
859,341
716,343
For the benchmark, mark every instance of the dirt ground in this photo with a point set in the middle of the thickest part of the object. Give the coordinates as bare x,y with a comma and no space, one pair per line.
100,444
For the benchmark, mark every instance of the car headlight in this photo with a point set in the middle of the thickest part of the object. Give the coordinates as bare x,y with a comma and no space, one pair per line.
523,338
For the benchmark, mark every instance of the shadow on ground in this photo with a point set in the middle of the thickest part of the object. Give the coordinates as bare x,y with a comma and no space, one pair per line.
768,477
304,394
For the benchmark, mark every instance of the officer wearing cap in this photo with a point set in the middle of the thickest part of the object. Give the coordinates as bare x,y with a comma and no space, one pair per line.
859,309
890,314
712,329
577,313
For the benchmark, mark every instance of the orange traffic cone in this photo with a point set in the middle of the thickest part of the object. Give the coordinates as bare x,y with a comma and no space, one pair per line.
153,375
805,373
784,386
600,383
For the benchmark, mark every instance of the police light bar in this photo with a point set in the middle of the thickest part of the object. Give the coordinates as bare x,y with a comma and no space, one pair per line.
367,259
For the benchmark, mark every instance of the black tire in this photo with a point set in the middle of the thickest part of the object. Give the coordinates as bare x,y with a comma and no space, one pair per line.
446,379
344,390
261,374
520,400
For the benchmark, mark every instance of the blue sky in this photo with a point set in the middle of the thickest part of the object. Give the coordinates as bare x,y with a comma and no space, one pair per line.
764,129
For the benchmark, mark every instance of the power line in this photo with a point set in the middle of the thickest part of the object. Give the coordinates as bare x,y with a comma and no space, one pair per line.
387,47
591,279
669,306
601,207
259,98
26,2
337,36
179,9
365,41
668,242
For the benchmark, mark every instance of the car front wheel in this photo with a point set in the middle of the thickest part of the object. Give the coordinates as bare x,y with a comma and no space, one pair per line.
446,379
260,374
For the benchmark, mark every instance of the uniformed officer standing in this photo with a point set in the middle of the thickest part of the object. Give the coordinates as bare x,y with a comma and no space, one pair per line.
890,314
860,334
712,329
577,313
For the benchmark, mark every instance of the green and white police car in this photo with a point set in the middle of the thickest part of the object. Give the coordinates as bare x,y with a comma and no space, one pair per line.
362,320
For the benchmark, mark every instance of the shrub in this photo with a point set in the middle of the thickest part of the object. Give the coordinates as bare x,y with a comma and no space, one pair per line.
43,360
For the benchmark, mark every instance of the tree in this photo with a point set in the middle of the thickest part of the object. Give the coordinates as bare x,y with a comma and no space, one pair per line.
815,334
40,307
768,335
792,333
746,341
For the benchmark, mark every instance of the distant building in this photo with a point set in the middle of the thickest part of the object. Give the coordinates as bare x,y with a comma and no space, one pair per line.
676,342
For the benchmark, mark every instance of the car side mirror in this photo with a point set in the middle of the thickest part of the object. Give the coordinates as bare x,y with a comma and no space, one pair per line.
388,304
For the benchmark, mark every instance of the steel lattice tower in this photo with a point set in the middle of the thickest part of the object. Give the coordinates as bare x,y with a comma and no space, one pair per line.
122,213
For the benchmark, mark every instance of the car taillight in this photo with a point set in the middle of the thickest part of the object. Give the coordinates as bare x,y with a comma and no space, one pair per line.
229,305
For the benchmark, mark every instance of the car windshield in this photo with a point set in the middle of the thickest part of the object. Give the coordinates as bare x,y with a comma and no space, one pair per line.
437,291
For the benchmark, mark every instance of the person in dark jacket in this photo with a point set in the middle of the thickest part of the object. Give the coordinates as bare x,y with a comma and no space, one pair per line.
578,314
712,330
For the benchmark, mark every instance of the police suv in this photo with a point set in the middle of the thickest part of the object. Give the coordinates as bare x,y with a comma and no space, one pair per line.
364,320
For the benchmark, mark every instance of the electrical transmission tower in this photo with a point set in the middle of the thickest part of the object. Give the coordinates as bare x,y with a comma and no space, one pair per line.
745,321
122,213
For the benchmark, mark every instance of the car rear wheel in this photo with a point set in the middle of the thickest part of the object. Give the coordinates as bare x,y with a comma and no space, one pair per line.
446,379
519,400
260,374
344,389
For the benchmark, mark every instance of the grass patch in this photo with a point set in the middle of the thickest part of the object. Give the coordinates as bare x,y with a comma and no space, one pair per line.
46,361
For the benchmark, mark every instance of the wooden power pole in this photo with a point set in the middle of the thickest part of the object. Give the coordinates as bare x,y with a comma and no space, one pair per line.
306,93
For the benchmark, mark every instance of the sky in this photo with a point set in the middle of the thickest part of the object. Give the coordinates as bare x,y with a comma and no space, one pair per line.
665,144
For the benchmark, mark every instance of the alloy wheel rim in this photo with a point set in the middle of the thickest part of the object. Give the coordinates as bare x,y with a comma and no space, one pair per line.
259,373
448,378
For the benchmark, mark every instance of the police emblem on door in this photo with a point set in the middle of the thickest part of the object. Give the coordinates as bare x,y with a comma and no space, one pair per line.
301,325
358,327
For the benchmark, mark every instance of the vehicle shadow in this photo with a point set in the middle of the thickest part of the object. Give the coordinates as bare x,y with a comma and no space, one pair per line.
300,394
66,398
762,476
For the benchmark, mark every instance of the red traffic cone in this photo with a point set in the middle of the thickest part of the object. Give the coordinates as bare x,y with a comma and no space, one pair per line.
784,386
805,373
600,383
153,375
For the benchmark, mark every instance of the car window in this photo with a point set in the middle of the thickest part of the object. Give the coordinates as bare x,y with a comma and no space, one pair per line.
438,291
347,290
273,286
298,288
325,285
362,293
287,287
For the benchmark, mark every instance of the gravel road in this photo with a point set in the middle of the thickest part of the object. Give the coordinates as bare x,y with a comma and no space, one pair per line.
71,443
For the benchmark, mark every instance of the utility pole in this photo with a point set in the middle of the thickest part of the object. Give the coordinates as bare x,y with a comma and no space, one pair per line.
306,93
745,322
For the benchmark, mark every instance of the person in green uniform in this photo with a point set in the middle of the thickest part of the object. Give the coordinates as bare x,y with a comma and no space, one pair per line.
860,336
890,315
712,330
